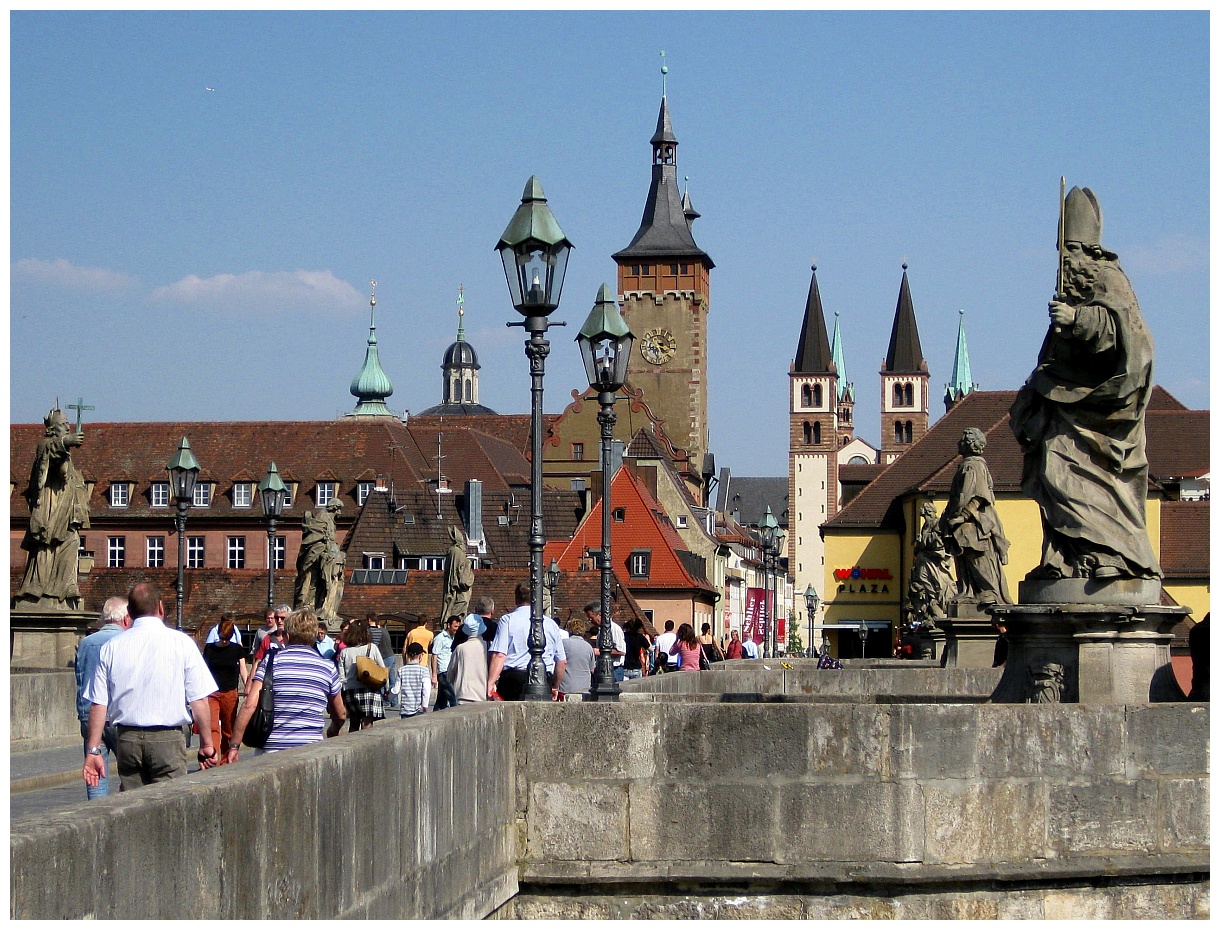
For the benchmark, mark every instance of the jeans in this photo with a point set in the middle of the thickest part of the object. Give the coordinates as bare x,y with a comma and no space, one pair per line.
619,673
631,673
445,696
109,735
391,664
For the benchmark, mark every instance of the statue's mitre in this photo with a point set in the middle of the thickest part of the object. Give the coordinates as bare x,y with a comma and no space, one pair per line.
54,416
1082,218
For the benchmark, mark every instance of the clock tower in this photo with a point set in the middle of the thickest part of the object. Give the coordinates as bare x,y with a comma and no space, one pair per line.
663,289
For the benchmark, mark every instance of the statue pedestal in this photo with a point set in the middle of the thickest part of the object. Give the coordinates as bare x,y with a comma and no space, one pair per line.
46,638
969,637
1082,641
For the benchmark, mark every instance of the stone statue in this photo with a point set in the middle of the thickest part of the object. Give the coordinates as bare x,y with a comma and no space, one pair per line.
1046,681
459,577
59,509
1080,416
971,529
928,591
316,562
336,561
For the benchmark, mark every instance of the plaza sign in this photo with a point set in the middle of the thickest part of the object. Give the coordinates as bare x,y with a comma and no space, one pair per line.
857,580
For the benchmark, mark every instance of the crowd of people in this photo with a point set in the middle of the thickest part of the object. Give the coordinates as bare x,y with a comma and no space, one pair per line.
142,686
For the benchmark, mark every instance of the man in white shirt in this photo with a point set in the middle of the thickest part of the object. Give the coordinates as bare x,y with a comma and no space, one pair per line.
593,610
664,641
145,679
749,648
510,654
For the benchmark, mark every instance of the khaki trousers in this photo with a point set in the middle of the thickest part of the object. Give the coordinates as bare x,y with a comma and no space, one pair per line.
147,756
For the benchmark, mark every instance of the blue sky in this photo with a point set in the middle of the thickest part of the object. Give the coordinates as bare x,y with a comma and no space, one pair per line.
180,253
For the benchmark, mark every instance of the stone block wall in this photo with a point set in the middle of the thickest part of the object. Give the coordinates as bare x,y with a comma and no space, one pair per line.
752,677
42,709
411,819
825,792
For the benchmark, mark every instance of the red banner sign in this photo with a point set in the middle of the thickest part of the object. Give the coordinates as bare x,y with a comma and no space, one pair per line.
752,627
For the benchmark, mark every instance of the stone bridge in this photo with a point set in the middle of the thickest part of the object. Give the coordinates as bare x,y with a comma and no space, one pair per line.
743,792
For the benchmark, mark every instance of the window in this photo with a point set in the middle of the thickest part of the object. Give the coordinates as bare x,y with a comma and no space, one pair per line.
619,514
897,395
243,494
645,269
578,484
857,460
291,488
116,551
578,452
807,430
639,563
681,521
154,552
685,268
363,490
281,547
194,552
158,494
673,269
374,561
908,395
237,552
203,494
466,394
806,396
909,432
817,434
817,396
427,563
326,492
898,431
635,269
118,494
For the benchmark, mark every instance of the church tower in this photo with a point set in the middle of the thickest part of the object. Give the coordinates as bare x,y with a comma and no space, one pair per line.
813,444
371,386
663,290
960,383
459,375
847,390
905,397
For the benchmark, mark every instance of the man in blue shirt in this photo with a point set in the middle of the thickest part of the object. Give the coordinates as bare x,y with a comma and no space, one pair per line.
508,669
114,621
442,649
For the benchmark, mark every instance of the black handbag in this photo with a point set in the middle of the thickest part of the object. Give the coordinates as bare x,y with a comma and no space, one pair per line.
259,727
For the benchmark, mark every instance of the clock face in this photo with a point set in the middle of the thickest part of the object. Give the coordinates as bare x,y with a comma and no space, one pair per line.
658,346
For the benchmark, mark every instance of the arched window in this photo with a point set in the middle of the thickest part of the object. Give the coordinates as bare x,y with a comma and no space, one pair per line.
898,431
817,434
909,395
897,395
907,432
808,430
817,396
806,396
466,392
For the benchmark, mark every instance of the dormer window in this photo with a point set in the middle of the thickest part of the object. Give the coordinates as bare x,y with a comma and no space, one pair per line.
203,494
290,488
363,490
243,494
326,492
120,491
158,494
639,564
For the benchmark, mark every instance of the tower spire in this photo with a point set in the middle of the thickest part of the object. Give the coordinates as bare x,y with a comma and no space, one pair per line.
960,382
905,353
847,390
461,302
812,348
371,386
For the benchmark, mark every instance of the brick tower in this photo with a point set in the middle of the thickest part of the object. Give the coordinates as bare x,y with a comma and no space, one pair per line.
905,399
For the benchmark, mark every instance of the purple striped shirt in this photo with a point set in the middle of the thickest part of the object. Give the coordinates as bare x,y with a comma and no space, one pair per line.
303,682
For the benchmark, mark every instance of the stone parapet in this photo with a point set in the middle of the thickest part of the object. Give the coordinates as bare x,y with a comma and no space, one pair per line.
42,709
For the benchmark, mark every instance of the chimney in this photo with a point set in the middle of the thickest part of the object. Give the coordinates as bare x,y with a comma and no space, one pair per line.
617,450
474,512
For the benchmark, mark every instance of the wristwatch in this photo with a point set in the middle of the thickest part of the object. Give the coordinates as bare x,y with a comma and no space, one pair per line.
95,751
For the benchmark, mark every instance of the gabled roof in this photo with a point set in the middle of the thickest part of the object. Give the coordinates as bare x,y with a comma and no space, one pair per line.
928,466
904,353
750,498
644,527
813,348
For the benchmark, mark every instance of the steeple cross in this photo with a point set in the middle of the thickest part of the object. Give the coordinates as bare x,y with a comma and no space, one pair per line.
80,406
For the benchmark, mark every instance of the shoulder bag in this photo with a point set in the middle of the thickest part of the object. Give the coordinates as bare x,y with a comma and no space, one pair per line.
370,674
259,727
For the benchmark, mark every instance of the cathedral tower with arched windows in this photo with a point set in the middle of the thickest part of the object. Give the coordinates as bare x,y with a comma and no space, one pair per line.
905,399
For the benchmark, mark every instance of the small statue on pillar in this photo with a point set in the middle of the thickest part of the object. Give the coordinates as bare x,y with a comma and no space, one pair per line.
928,591
971,528
459,577
316,563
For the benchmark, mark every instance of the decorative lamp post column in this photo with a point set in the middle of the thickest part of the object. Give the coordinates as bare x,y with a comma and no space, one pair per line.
777,546
605,346
552,584
272,493
183,472
769,527
534,252
811,608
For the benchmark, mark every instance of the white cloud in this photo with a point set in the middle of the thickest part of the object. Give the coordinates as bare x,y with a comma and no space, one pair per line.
1170,255
62,273
264,292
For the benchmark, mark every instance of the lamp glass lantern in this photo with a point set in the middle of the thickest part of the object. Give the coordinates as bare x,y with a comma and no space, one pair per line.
534,252
605,344
272,493
812,601
183,471
770,528
552,575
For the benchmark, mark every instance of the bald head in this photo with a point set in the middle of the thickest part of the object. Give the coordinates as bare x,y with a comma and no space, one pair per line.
144,600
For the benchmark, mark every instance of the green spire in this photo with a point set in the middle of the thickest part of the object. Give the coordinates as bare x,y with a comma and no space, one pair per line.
962,383
847,390
461,336
371,386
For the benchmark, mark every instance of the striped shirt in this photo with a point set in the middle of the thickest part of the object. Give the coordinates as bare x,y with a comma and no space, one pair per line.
415,687
303,682
147,675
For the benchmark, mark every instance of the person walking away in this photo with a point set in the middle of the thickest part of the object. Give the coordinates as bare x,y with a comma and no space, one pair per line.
363,704
379,636
226,660
593,610
305,685
707,643
508,672
114,621
686,647
636,644
468,667
664,642
414,682
145,681
438,662
581,659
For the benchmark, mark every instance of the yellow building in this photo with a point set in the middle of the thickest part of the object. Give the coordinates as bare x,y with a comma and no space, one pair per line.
870,542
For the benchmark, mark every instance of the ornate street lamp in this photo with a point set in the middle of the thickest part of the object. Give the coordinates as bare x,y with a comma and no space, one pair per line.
534,252
769,528
272,493
605,345
811,608
183,472
552,583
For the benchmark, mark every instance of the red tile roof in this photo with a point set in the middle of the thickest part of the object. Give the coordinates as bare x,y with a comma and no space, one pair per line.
1186,539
